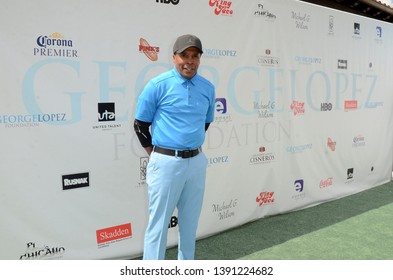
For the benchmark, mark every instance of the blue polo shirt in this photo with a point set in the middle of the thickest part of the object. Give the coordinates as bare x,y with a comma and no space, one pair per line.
178,109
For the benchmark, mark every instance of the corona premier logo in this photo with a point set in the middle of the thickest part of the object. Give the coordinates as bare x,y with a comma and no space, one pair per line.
54,45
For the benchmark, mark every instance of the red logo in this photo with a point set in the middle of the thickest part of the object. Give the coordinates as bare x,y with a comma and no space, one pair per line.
149,51
326,183
267,52
265,198
331,144
297,107
262,149
350,104
113,233
222,7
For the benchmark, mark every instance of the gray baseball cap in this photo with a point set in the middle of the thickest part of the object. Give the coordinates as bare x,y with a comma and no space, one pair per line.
186,41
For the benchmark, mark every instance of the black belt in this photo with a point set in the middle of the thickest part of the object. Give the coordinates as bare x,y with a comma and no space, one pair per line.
178,153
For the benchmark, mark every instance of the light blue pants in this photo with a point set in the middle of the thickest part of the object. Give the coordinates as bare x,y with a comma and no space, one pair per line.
174,182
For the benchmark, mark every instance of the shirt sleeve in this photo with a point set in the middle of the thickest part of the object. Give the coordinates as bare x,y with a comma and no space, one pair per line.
146,105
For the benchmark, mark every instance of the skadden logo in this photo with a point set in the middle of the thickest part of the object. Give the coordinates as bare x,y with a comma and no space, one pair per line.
221,7
265,198
150,51
73,181
108,235
55,45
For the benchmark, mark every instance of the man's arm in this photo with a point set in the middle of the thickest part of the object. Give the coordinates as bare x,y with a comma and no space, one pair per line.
143,132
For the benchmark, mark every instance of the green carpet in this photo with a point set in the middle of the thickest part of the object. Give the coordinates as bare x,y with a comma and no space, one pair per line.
357,227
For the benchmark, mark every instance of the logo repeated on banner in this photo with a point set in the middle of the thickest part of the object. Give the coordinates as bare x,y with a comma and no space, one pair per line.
262,157
308,60
264,109
29,121
299,148
109,235
218,160
221,7
268,60
301,19
331,144
174,2
173,222
326,107
225,209
221,108
356,28
350,105
299,187
54,45
143,166
34,252
218,53
378,34
297,108
150,51
265,198
74,181
331,25
342,64
358,141
323,184
106,113
261,12
350,175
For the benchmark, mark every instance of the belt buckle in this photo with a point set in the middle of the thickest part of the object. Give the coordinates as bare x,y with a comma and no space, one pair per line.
186,154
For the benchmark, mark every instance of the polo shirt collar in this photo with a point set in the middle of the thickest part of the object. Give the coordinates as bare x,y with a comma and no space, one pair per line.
181,79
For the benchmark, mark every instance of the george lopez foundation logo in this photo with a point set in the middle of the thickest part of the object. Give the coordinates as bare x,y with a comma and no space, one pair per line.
150,51
265,198
221,7
113,234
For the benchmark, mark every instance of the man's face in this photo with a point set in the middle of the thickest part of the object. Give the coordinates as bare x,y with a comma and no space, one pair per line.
187,62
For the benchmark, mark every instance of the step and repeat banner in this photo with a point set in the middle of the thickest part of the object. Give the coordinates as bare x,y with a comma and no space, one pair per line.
303,115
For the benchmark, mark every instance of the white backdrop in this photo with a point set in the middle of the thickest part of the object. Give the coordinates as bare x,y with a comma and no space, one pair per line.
303,116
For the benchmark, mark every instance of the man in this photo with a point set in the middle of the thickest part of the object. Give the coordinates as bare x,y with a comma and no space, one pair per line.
179,106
